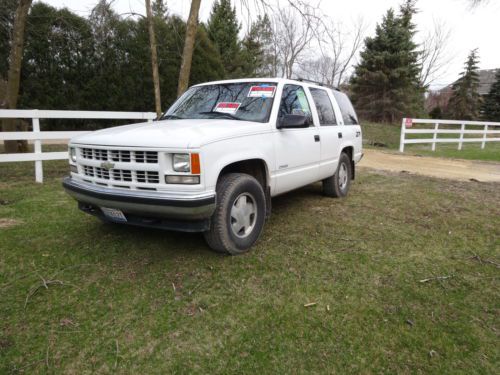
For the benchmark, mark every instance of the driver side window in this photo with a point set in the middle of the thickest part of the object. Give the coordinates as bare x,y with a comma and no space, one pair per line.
294,102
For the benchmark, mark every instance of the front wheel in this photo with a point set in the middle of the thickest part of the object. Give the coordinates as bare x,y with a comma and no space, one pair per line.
239,217
338,185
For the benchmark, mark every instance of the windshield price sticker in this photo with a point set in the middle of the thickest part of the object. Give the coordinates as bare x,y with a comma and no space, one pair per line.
262,91
227,107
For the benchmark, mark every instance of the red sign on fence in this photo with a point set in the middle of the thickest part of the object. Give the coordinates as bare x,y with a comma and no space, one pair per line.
408,122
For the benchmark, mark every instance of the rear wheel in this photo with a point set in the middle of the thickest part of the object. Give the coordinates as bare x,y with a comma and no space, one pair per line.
338,185
239,217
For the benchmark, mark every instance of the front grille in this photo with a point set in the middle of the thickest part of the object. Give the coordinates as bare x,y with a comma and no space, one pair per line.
123,156
150,177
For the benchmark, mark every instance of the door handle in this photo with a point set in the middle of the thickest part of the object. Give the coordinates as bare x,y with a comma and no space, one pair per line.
340,135
316,138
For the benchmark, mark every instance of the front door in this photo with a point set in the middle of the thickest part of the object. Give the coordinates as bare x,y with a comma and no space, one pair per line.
297,150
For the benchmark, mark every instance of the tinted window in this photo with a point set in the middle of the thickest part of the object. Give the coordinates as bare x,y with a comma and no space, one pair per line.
346,108
250,101
324,107
294,102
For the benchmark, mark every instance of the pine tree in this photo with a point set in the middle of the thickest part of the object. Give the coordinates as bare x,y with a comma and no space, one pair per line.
223,28
159,8
491,105
465,101
255,52
386,81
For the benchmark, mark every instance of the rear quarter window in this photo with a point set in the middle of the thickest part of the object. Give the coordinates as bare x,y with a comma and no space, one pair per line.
348,113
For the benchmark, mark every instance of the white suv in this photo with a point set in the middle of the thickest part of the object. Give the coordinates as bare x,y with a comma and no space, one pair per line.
213,161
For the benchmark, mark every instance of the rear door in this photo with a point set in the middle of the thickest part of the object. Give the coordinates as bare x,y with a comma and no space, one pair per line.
297,150
329,131
351,130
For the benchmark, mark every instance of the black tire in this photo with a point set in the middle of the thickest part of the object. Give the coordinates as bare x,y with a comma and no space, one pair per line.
333,186
240,198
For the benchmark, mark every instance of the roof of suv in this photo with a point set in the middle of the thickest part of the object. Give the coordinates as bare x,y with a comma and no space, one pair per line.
272,80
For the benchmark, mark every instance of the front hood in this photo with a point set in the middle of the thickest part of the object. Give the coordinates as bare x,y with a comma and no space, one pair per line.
171,133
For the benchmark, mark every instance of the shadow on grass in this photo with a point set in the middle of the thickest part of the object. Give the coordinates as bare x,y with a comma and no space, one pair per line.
159,243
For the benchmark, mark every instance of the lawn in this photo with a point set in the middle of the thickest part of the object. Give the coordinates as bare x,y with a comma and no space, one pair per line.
401,277
387,136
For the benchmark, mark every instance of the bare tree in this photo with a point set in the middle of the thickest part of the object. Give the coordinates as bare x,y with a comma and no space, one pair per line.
154,57
338,46
303,7
475,3
434,55
344,46
14,72
187,54
292,36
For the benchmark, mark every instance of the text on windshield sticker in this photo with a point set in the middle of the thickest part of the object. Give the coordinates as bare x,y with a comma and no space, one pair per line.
227,107
261,91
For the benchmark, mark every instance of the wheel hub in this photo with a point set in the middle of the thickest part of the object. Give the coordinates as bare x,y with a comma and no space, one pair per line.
343,176
243,215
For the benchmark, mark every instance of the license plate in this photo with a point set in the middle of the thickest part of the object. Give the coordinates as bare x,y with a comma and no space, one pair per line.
114,214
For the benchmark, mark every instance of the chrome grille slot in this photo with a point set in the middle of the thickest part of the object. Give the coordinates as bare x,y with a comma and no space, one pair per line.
100,154
147,177
88,171
101,173
86,153
150,157
122,175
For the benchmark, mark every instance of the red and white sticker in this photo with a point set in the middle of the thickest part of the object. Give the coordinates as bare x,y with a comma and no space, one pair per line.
261,91
227,107
408,122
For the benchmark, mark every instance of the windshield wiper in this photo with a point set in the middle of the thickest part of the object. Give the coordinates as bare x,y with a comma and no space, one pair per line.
223,114
172,117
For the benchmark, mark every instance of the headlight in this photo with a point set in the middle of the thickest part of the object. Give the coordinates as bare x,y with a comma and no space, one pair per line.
72,154
181,163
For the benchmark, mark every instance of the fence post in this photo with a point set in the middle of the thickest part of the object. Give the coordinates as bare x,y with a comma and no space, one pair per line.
461,137
38,151
402,140
436,127
484,136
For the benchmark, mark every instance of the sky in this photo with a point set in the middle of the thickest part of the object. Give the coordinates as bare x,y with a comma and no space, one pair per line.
469,28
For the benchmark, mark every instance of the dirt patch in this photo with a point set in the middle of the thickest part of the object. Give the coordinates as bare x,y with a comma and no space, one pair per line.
9,223
5,343
454,169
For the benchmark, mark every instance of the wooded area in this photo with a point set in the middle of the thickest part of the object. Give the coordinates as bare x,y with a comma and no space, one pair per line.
106,61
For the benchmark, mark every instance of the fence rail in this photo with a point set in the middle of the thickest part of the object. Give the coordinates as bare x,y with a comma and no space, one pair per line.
37,136
487,133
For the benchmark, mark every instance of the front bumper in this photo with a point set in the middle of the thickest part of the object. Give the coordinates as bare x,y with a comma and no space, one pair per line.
143,203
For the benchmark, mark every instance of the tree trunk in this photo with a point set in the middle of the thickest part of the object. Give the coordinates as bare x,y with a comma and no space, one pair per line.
154,58
14,73
187,54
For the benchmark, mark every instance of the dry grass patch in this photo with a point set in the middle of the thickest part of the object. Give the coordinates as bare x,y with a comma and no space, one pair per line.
9,223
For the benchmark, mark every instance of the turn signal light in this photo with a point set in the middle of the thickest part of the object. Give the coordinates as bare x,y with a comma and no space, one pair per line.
195,164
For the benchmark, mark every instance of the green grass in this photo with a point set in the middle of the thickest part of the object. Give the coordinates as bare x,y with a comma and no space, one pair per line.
387,136
129,300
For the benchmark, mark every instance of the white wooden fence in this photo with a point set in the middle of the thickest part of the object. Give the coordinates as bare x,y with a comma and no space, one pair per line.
37,136
486,131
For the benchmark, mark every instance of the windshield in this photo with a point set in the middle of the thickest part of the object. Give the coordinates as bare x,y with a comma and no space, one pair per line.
248,101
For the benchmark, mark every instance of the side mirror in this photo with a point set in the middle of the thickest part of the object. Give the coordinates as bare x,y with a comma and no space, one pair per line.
293,122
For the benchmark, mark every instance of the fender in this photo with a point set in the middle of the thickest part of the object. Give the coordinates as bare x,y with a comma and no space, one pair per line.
221,154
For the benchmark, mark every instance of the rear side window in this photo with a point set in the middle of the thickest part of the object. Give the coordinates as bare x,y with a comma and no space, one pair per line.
324,106
346,108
